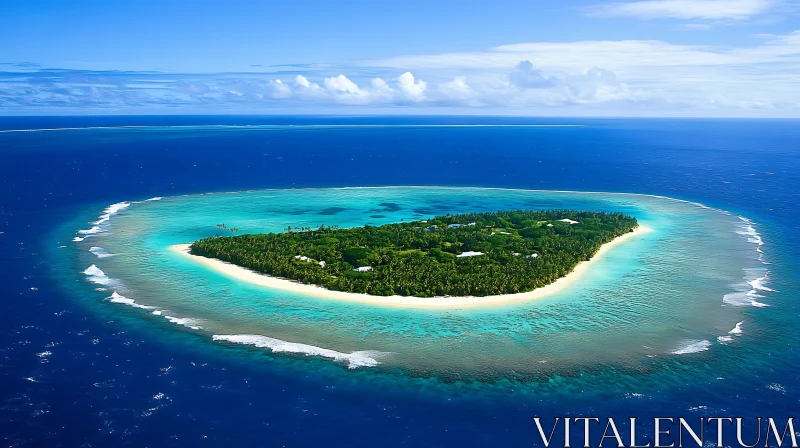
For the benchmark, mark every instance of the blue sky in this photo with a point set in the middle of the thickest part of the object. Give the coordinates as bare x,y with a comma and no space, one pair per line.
523,57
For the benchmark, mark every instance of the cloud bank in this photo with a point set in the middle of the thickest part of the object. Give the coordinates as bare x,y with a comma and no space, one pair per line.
628,77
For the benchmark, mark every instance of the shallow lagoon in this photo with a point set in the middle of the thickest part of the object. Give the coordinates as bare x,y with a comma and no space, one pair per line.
680,290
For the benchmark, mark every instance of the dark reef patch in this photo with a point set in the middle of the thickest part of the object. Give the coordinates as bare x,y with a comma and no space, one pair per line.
295,212
331,211
389,207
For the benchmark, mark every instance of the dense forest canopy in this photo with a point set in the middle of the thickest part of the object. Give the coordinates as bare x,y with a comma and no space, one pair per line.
473,254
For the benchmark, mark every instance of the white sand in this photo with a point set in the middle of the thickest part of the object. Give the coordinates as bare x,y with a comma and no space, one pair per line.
244,274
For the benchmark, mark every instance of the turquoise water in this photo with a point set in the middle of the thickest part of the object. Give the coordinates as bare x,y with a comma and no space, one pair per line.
682,290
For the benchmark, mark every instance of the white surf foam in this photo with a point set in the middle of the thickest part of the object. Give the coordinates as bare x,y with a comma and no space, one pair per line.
104,217
92,231
115,208
692,346
354,359
111,210
724,339
748,229
749,291
757,279
750,232
737,329
194,324
100,252
96,275
119,298
78,238
744,298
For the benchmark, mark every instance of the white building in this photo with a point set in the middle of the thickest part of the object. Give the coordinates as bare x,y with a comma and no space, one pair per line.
469,254
363,269
568,221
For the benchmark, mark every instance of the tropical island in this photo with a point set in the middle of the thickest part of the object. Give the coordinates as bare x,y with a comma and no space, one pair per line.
473,254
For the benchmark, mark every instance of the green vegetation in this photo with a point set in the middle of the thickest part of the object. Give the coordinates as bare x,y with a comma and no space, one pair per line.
520,251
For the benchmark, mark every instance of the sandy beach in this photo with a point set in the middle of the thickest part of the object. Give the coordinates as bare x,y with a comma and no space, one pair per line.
246,275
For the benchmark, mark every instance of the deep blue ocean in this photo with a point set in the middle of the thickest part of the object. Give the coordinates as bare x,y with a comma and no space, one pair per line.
99,385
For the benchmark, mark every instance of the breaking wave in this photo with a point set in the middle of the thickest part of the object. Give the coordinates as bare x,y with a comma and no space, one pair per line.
119,298
736,331
755,279
104,217
750,232
693,346
111,210
749,291
100,252
92,231
194,324
96,275
354,359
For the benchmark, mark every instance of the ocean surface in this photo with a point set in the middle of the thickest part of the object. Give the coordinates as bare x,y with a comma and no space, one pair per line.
109,339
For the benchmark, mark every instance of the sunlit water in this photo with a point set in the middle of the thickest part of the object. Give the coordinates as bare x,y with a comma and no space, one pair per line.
681,290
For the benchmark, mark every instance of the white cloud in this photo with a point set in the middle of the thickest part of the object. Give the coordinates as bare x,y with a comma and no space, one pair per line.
685,9
305,89
343,90
380,85
527,77
411,89
457,88
341,84
457,92
302,81
381,90
594,85
279,90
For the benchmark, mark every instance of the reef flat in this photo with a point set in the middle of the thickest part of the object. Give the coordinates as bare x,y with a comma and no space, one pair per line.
680,289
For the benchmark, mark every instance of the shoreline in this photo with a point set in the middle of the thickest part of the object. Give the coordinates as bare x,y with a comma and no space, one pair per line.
239,273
